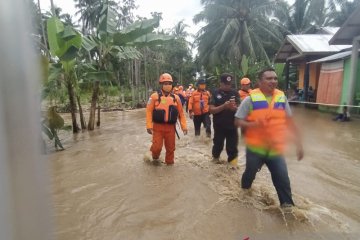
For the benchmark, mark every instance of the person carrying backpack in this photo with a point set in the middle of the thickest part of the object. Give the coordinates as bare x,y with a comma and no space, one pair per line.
162,112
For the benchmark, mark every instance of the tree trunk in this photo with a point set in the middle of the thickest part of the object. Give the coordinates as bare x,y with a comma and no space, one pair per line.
132,84
118,79
137,80
71,93
98,116
52,7
82,119
43,31
94,99
145,77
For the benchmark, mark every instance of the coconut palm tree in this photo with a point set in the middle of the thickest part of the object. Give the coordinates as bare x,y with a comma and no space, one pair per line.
179,30
305,15
235,28
301,17
90,11
339,17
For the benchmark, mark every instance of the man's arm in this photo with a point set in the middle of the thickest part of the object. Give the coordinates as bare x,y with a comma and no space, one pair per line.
227,105
294,130
246,124
214,110
297,138
242,113
149,112
182,117
190,106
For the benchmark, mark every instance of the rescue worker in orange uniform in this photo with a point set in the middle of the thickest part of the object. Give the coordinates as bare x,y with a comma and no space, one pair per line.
182,95
162,112
245,88
199,108
178,90
267,116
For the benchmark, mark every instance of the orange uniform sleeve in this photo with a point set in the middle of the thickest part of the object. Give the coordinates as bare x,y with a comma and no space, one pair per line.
149,110
190,105
182,117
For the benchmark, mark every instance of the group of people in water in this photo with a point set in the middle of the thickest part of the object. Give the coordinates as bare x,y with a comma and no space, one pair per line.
263,114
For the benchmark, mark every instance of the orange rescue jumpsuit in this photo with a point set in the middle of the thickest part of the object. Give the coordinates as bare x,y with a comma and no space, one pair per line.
164,132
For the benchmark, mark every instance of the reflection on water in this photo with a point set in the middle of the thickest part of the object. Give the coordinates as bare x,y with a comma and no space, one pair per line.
105,186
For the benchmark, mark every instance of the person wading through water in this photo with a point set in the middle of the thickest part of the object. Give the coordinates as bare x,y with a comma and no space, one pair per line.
267,116
162,111
199,108
223,105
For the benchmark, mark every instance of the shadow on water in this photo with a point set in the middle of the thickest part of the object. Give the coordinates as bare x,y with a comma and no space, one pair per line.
106,187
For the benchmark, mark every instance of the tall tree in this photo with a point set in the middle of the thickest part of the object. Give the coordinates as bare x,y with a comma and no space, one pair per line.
235,28
90,11
338,17
305,15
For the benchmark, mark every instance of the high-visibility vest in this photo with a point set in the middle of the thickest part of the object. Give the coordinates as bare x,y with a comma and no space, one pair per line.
272,135
199,102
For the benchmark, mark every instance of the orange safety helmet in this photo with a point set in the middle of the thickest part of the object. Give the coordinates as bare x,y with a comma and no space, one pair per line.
165,77
245,81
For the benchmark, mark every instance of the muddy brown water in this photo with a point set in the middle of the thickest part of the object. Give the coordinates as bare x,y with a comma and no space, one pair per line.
105,188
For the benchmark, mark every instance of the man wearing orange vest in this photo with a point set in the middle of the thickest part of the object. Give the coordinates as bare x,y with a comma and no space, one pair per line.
266,115
245,88
162,111
199,108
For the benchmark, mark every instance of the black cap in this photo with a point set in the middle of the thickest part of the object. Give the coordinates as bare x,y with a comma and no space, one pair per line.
200,81
226,78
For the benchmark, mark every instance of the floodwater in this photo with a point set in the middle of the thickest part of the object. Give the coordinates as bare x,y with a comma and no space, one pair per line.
105,188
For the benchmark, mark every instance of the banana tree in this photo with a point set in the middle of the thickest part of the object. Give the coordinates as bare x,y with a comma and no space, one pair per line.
109,43
103,50
65,43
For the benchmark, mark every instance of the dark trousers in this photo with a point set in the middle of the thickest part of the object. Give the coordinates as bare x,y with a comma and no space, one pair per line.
279,174
231,137
198,120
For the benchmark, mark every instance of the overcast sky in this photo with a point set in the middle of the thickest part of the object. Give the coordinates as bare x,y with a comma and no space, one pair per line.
173,11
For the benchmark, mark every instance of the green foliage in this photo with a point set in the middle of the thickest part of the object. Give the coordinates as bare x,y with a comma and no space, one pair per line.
234,29
244,65
53,89
125,57
279,69
52,123
113,91
64,41
107,21
134,31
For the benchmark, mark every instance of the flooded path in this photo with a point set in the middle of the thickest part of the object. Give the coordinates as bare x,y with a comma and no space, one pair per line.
105,188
